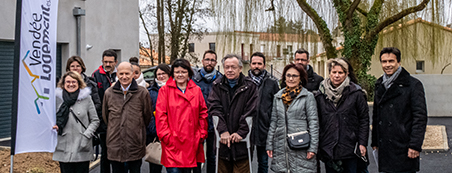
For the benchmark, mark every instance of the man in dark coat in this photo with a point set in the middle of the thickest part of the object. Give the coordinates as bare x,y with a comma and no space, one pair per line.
399,116
204,78
232,99
302,57
127,110
268,87
104,76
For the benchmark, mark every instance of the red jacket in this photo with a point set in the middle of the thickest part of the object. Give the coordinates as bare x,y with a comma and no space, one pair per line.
181,121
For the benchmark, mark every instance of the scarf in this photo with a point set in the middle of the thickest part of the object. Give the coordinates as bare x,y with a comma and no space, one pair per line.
333,94
62,114
209,76
233,82
290,94
160,83
140,81
387,81
257,79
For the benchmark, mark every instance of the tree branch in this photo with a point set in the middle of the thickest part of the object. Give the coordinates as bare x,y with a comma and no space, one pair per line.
364,13
397,17
321,25
352,9
148,34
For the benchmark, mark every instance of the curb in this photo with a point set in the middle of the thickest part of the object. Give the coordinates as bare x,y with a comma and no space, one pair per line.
444,147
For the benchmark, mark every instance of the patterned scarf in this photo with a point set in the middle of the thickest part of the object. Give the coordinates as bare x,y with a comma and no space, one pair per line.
290,94
333,94
257,79
387,81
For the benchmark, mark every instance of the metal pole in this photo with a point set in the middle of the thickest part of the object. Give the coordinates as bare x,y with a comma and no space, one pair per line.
271,69
15,81
79,22
78,12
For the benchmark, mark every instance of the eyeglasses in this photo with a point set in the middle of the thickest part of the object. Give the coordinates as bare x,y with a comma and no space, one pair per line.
294,76
108,62
210,60
70,82
233,67
161,74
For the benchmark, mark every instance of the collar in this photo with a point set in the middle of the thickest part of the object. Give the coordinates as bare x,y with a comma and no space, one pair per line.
105,72
126,89
132,88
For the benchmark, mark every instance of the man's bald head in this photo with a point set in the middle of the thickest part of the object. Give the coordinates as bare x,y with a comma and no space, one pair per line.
125,65
125,74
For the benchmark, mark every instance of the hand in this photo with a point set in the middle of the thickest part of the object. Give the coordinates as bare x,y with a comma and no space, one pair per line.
235,138
310,155
363,150
412,153
224,139
55,127
374,148
270,153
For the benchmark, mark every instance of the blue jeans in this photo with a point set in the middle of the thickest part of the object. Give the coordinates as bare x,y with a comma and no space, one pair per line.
262,159
178,170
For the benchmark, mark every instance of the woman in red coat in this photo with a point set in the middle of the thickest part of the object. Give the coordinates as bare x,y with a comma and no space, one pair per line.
181,120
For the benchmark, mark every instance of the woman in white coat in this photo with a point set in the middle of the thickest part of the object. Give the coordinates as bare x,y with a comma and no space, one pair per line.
74,149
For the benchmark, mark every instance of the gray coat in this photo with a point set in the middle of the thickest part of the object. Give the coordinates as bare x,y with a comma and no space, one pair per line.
75,144
301,116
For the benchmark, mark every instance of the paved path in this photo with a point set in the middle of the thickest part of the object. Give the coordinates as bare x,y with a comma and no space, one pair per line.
430,162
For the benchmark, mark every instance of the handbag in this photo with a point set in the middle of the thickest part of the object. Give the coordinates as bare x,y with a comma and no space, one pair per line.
96,138
298,140
154,152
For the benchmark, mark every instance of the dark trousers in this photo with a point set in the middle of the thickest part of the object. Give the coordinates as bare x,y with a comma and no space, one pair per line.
198,168
347,165
74,167
178,170
239,166
104,162
133,166
262,159
211,151
154,168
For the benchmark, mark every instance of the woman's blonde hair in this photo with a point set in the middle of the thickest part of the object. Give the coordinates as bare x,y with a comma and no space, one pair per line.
74,75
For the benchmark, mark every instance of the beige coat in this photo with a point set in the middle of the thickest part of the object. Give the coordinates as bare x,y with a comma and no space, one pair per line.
127,117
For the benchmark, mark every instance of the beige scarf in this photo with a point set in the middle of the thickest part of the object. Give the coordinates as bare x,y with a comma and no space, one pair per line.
333,94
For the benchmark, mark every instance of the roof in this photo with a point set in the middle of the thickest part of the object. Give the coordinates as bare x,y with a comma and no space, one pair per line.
265,36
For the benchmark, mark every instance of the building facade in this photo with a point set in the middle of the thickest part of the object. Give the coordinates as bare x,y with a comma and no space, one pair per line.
107,24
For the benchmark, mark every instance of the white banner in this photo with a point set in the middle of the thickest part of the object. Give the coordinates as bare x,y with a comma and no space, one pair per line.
36,99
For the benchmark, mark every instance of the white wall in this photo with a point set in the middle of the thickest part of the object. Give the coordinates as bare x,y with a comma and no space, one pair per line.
437,94
108,24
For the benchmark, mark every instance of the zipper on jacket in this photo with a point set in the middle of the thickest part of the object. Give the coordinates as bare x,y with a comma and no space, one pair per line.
285,144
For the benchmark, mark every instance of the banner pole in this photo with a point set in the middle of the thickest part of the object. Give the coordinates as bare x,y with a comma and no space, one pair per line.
15,93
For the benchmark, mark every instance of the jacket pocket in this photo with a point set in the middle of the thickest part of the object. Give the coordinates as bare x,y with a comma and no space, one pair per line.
85,143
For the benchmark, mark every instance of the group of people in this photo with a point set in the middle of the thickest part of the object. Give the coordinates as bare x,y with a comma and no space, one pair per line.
178,110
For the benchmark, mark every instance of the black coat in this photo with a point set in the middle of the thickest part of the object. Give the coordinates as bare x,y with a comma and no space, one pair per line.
342,127
103,82
399,122
313,80
261,122
232,112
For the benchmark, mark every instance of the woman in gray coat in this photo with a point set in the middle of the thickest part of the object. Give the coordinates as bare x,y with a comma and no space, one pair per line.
298,105
74,149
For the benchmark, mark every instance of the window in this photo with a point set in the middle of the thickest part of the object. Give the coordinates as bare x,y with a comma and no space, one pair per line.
191,47
420,67
212,46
